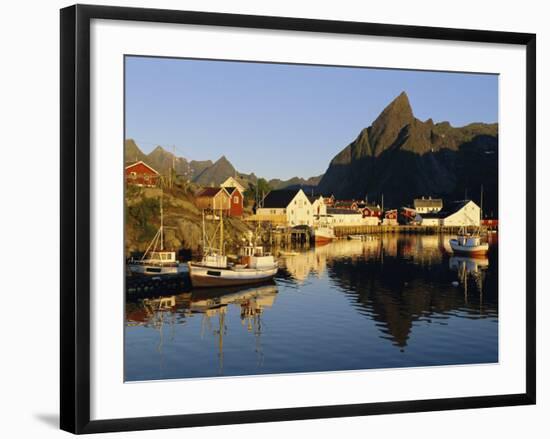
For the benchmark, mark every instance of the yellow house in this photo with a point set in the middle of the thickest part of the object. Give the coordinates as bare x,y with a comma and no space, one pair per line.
213,198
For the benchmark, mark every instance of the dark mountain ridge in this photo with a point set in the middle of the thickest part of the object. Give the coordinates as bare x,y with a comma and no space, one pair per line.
402,158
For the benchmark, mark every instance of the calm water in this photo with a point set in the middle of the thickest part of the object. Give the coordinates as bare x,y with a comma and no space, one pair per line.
388,302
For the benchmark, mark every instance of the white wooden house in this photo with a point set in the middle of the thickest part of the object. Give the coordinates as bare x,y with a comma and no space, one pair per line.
292,206
428,205
460,213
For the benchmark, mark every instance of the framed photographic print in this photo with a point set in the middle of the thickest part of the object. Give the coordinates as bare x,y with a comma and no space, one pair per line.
340,214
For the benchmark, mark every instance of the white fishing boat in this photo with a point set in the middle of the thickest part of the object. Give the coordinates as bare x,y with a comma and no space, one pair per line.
469,243
254,265
156,261
323,234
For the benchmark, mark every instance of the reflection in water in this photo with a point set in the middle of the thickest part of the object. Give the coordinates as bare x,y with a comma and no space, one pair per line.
390,301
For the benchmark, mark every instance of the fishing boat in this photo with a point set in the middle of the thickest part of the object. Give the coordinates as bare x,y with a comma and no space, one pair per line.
213,270
469,243
156,261
323,234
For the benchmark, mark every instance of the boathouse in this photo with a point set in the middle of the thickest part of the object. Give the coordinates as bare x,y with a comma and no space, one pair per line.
141,174
213,198
428,205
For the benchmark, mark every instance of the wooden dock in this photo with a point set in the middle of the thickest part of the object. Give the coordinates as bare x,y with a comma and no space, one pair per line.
343,231
290,236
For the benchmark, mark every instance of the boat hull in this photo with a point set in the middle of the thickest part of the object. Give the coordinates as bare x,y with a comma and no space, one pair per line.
153,270
469,250
323,235
204,277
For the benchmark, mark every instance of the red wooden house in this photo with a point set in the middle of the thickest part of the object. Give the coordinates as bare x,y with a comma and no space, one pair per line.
141,174
371,210
236,201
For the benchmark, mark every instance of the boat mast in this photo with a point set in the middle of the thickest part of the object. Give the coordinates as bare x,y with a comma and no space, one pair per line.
221,230
161,225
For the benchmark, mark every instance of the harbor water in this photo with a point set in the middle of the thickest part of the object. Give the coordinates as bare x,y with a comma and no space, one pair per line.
388,301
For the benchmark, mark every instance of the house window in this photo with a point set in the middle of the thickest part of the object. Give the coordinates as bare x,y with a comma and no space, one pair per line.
236,200
133,174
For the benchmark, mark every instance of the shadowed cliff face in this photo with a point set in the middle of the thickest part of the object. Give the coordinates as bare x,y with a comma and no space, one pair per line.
403,158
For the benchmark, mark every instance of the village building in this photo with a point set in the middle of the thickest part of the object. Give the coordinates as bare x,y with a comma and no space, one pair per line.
370,210
460,213
428,205
329,201
213,198
346,217
286,207
409,216
231,182
141,174
318,205
236,201
390,217
346,204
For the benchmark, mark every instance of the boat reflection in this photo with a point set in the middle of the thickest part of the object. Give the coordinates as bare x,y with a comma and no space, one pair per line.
471,271
399,281
212,304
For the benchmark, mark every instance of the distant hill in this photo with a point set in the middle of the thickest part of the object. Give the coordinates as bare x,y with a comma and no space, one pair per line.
295,182
162,160
401,157
206,172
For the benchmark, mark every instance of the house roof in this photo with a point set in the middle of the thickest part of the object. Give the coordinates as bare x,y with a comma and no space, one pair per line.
208,191
336,211
279,198
313,198
142,163
371,207
231,189
428,202
453,207
232,181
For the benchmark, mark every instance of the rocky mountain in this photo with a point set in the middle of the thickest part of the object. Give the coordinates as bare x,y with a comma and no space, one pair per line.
295,182
402,157
216,174
206,172
162,160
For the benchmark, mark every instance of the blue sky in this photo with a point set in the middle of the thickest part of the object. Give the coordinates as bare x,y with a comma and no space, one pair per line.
279,120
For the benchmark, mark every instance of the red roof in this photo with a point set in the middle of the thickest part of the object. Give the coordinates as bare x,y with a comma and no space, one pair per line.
141,162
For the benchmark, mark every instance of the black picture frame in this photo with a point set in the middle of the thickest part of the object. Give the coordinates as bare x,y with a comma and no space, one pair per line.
75,217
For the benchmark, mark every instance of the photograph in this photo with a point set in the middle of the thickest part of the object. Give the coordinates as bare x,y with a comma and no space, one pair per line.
294,218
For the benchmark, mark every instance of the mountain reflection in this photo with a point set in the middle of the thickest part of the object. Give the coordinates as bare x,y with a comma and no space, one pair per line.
388,301
401,281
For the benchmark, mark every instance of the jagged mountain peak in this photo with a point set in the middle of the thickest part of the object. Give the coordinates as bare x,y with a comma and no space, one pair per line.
402,157
389,123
